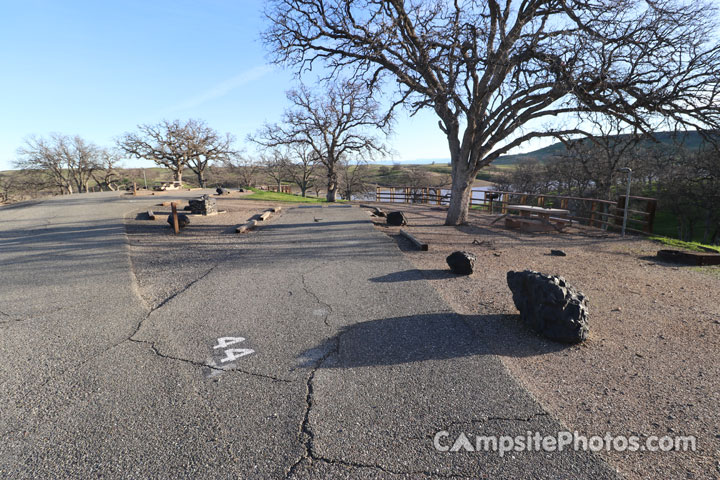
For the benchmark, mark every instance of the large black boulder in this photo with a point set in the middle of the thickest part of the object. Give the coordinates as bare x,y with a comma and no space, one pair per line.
550,306
183,220
222,191
396,219
461,263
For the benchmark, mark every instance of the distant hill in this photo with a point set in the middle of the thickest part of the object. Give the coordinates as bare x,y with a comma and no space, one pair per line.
691,141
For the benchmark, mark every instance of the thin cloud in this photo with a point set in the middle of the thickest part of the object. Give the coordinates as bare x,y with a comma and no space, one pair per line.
222,89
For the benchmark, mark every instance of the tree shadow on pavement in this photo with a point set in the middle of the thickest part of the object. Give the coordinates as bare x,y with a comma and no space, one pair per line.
433,336
414,274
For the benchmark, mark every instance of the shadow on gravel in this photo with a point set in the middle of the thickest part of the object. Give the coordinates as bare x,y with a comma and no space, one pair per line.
435,336
414,274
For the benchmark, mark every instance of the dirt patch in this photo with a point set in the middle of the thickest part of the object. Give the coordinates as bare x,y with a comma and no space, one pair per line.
165,264
650,365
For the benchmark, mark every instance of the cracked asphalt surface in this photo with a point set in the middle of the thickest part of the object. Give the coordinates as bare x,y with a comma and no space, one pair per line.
351,374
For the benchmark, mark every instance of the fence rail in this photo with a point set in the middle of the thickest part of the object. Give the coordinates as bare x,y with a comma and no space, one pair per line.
274,188
606,214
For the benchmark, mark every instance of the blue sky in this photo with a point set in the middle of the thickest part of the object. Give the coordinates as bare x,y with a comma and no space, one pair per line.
98,69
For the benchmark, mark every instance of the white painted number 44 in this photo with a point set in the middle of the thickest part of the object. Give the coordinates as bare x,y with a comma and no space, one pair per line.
232,353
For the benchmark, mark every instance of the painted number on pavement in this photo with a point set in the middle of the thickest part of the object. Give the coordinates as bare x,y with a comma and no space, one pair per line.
232,354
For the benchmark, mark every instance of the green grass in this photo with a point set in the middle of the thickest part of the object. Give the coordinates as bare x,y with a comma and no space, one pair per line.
281,197
674,242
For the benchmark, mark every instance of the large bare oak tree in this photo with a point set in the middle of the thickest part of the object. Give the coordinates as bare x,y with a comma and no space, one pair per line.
177,145
497,72
342,120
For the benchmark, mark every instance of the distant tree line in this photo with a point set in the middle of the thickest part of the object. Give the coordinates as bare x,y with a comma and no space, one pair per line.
324,143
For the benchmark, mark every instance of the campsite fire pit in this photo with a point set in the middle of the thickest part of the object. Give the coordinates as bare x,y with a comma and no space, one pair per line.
689,258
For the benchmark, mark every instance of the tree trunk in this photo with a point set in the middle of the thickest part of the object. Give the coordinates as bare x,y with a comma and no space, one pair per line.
708,226
332,185
459,201
201,179
177,175
331,193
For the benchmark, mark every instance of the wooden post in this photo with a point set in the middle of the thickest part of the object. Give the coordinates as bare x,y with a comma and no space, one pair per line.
134,189
650,219
392,194
377,194
523,200
541,201
620,211
176,226
564,203
593,209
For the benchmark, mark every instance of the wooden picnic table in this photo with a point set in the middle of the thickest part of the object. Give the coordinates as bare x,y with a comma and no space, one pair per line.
554,217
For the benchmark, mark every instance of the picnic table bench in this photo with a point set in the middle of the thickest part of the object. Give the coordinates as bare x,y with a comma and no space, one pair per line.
535,219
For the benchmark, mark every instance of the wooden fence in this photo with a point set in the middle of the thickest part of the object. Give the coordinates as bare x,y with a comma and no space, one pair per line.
594,212
274,188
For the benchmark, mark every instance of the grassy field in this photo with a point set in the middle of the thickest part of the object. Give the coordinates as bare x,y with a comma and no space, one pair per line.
280,197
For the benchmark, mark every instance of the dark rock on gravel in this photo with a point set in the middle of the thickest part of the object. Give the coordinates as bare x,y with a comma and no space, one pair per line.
397,219
183,220
461,263
558,253
550,306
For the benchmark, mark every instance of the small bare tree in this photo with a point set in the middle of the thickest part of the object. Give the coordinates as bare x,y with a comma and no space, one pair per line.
245,168
601,156
177,145
337,122
275,164
304,167
497,74
106,175
353,178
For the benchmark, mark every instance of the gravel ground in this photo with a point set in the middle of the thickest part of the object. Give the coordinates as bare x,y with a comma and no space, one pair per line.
650,365
165,263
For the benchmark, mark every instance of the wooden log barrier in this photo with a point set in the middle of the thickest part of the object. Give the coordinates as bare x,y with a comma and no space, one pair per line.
420,245
246,227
